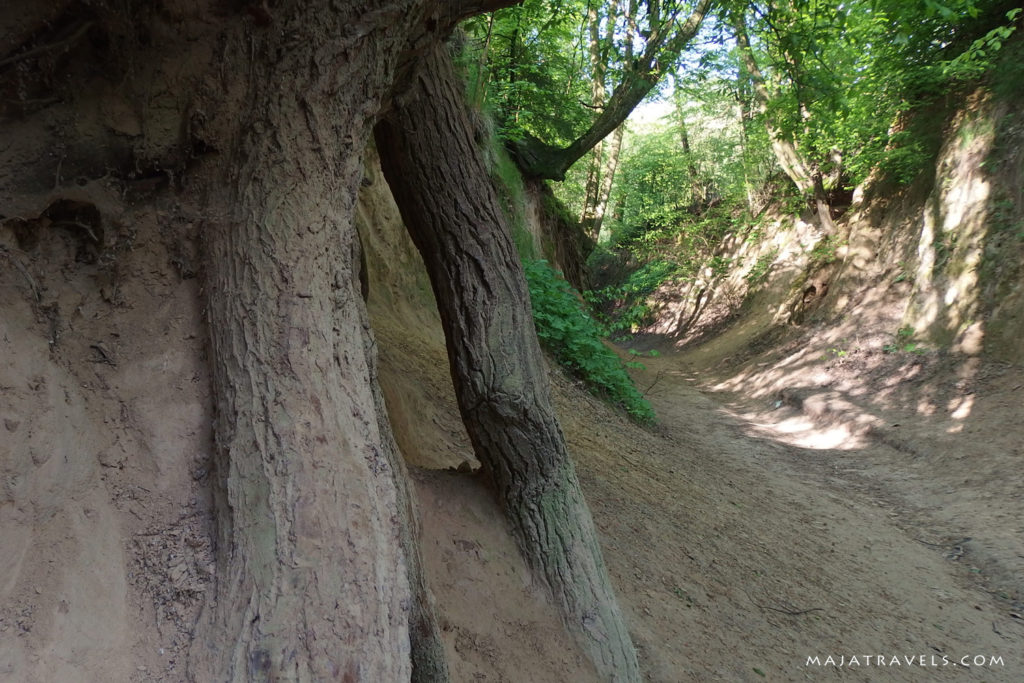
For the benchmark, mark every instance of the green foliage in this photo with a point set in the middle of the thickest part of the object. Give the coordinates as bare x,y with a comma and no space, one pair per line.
838,353
719,265
853,84
841,88
758,274
907,154
669,248
826,250
684,236
1007,75
662,192
527,64
902,342
653,184
979,57
624,306
566,330
533,62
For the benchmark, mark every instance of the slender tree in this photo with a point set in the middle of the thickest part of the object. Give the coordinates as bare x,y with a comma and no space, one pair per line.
598,50
605,156
804,173
452,211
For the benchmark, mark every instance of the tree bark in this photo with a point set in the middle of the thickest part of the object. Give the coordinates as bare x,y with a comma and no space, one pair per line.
598,49
697,198
483,75
606,154
318,572
611,166
453,215
313,582
748,185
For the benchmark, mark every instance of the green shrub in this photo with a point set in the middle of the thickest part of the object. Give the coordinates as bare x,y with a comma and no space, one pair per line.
566,330
625,306
826,250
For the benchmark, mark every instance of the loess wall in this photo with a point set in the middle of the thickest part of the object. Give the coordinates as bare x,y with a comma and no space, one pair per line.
941,259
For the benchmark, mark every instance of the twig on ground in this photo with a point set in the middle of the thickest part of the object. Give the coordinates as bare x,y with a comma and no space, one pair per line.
790,612
657,378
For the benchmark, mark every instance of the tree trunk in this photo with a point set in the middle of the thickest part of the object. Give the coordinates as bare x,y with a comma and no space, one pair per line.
598,49
483,75
318,572
748,185
591,188
606,155
807,181
697,198
789,158
453,215
313,583
611,165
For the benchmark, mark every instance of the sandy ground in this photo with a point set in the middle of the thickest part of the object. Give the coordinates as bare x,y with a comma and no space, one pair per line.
105,439
788,529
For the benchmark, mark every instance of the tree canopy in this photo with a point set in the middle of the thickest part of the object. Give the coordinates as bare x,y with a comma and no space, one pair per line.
760,100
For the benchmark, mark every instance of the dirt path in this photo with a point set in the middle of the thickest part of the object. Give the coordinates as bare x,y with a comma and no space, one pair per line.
755,532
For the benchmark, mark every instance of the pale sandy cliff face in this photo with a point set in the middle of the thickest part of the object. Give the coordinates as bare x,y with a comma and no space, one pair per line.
104,451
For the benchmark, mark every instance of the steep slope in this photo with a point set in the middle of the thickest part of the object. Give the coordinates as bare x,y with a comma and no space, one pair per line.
889,365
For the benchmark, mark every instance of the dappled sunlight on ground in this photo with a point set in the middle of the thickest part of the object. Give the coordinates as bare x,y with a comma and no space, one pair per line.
866,431
802,431
935,435
751,527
